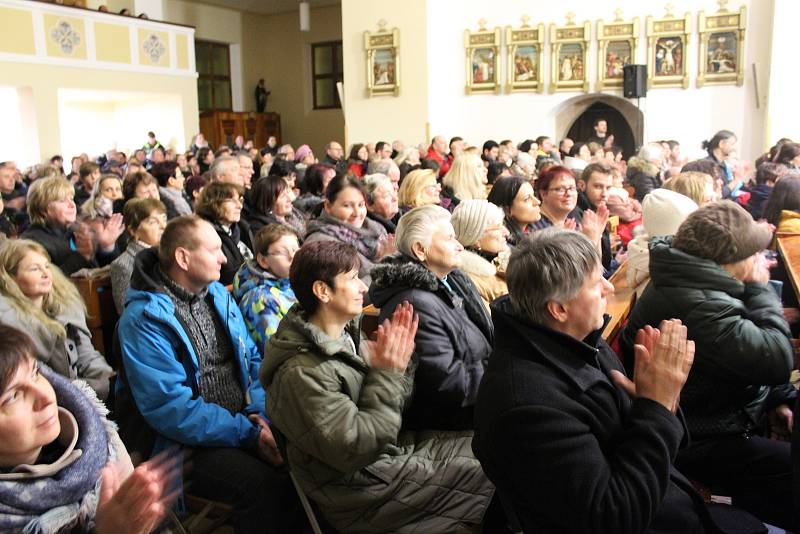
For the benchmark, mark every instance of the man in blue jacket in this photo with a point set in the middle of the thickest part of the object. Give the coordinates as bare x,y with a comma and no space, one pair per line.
191,370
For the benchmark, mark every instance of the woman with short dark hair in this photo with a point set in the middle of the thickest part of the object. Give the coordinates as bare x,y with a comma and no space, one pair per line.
145,220
220,203
339,401
313,186
271,203
357,161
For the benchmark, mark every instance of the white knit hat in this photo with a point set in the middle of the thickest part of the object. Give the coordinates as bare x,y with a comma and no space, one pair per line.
575,164
663,211
471,218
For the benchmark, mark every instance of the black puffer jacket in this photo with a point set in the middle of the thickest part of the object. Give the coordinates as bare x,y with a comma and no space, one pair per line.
452,344
741,340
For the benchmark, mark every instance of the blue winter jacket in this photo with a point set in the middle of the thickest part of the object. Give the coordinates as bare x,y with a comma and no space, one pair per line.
161,366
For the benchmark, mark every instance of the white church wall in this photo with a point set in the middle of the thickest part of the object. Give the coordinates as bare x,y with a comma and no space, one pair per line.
688,116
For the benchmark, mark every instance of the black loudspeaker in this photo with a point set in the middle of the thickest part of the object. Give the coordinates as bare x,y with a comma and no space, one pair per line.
634,83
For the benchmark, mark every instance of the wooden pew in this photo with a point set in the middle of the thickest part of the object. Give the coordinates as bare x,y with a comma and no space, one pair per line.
789,248
620,304
101,315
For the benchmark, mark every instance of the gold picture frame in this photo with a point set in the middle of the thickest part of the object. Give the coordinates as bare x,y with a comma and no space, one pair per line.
482,59
617,46
668,50
525,57
721,59
569,50
383,61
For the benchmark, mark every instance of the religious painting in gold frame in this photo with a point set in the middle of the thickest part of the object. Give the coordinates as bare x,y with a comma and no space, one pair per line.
525,57
617,46
482,59
721,58
668,50
569,47
383,61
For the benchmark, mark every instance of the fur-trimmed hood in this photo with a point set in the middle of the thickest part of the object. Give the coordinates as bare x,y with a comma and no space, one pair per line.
637,164
398,272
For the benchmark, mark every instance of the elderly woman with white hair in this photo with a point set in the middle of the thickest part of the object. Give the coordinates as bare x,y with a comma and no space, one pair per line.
382,206
644,170
454,338
525,166
479,228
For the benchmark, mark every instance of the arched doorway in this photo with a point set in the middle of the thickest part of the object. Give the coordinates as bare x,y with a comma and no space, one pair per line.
583,127
569,112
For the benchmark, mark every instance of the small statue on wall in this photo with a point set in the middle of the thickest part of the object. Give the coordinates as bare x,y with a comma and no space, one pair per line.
261,96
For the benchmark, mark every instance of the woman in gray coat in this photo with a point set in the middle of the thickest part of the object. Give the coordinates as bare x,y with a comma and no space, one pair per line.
37,298
339,400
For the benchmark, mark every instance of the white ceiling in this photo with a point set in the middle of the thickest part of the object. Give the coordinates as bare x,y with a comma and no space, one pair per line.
265,7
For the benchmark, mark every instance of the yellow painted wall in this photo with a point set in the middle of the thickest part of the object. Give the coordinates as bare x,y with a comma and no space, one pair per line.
45,82
182,51
275,49
16,31
388,117
210,22
56,32
112,42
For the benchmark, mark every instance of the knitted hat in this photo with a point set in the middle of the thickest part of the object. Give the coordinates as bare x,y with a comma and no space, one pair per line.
722,232
663,211
471,218
301,152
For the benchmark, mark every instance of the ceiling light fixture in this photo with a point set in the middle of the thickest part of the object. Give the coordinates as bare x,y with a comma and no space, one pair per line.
305,17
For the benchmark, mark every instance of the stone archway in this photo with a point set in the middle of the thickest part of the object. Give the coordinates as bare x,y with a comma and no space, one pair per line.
569,111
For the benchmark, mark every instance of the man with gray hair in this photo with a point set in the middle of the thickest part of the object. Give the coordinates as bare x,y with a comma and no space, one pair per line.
567,447
226,169
386,167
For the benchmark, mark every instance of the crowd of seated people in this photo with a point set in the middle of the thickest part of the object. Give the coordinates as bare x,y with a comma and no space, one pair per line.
486,398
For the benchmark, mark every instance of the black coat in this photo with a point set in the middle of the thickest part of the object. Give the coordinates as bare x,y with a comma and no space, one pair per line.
742,347
452,344
570,450
58,243
239,232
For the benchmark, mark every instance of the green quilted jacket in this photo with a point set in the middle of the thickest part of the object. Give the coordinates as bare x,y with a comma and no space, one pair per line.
342,420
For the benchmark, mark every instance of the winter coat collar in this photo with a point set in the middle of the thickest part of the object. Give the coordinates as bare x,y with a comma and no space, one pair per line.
296,335
669,267
476,265
577,360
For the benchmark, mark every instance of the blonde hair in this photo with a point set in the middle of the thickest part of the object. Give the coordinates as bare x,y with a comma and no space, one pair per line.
413,186
690,184
62,296
43,192
464,177
89,208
